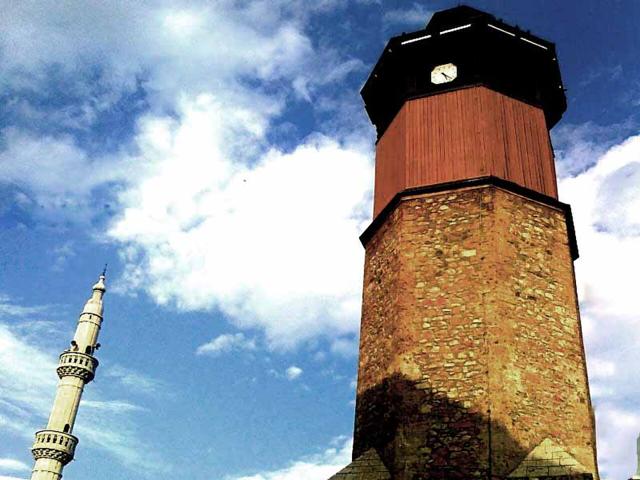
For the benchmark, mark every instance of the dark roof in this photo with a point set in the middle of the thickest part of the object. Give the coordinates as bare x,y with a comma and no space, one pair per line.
487,52
454,17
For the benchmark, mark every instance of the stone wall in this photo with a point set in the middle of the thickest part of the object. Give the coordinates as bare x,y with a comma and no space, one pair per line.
471,350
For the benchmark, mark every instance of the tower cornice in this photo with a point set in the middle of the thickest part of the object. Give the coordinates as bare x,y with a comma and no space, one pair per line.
489,180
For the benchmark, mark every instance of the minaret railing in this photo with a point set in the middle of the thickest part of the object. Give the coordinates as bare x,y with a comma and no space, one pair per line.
77,364
54,445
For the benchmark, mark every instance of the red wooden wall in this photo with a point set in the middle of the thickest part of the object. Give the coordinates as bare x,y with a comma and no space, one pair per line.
463,134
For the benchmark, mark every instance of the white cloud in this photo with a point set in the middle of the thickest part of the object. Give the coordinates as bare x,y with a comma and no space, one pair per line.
293,372
25,385
273,244
579,147
415,17
599,392
33,158
115,406
13,464
347,347
209,213
599,368
133,380
226,343
606,215
618,430
12,309
58,175
62,253
315,467
605,200
179,49
181,43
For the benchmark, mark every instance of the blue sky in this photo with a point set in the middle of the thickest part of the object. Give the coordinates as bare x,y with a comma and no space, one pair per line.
218,157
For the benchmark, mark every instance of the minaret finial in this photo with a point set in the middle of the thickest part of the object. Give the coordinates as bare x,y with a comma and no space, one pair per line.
104,270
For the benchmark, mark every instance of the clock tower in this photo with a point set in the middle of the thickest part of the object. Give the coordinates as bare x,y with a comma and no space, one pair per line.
471,354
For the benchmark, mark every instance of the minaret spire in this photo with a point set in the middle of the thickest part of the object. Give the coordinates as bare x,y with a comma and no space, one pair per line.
54,446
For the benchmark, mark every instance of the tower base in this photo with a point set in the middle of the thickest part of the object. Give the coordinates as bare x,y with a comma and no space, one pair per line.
471,357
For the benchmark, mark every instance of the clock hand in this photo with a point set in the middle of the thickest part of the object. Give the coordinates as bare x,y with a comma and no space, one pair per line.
445,75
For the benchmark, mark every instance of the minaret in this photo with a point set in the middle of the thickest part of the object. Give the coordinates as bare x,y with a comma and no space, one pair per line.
471,358
637,475
54,447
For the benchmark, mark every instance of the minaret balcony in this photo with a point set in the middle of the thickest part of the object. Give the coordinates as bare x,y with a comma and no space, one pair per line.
54,445
76,364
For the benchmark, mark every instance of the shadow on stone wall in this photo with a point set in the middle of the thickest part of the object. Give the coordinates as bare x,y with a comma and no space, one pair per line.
421,434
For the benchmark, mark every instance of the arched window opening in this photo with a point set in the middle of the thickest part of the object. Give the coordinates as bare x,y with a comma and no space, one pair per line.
66,428
88,349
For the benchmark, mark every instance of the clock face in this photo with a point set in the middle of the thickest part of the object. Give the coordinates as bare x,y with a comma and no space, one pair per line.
444,73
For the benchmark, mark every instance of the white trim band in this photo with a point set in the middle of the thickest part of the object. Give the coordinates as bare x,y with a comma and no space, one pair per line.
455,29
413,40
501,30
533,43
